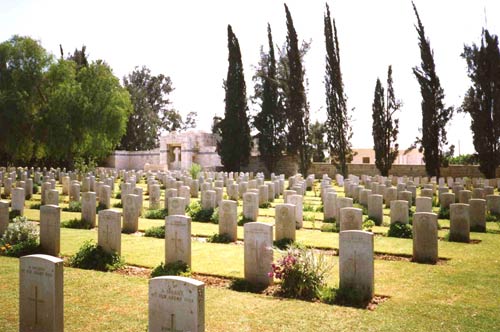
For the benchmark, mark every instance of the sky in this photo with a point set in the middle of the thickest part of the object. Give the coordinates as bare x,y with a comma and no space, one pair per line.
187,40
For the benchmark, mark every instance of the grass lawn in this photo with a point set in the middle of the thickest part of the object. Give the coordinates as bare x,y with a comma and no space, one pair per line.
461,294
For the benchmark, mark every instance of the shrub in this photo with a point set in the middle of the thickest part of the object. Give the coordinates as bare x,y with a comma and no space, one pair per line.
330,228
492,217
20,238
244,220
118,195
302,273
99,207
156,214
242,285
265,205
444,213
319,208
155,231
118,205
330,220
194,170
91,256
349,296
74,207
363,208
76,223
35,206
14,214
35,188
308,217
178,268
283,243
308,208
400,230
219,238
368,225
215,216
198,214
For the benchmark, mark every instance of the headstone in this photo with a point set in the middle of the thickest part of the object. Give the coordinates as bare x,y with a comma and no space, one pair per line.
427,193
493,204
208,199
363,196
18,198
423,204
459,223
478,193
446,199
109,231
351,219
176,304
297,201
89,207
74,192
140,204
391,194
405,196
52,197
29,188
4,216
178,239
41,299
356,263
105,196
154,197
176,206
464,196
425,237
50,229
263,194
342,202
130,214
258,252
228,219
329,206
376,209
285,221
250,206
399,212
477,214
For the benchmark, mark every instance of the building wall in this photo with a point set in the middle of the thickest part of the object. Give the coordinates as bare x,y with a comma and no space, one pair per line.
133,159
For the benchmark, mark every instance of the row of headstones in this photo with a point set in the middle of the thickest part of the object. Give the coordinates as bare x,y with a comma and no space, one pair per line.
175,303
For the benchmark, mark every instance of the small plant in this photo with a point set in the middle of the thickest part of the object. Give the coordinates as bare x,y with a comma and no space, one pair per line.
91,256
243,220
308,208
363,208
36,188
319,209
368,225
74,207
302,273
99,207
350,297
219,238
265,205
444,213
118,205
84,166
196,212
330,228
215,216
178,268
492,217
155,231
118,195
20,238
308,217
330,220
194,170
283,243
14,214
156,214
242,285
76,223
400,230
35,206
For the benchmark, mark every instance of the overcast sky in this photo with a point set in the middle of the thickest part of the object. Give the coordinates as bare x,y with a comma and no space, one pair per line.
187,40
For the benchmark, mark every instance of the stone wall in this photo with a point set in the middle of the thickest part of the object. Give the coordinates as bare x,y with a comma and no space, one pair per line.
133,159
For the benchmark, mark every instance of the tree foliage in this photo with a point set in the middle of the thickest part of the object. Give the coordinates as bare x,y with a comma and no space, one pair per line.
152,112
338,129
317,142
234,145
482,101
61,110
435,115
270,120
385,127
295,100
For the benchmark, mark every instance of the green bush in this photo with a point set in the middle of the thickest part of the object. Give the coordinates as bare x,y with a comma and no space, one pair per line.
196,213
308,208
14,214
155,231
118,205
100,207
363,208
194,170
368,225
492,217
350,297
35,206
36,188
444,213
283,243
76,223
178,268
400,230
118,195
91,256
242,285
330,228
244,220
308,217
73,207
319,209
265,205
156,214
302,273
219,238
330,220
20,238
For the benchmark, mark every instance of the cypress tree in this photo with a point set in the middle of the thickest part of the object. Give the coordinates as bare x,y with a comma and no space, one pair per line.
338,129
234,146
270,121
482,101
385,128
296,103
435,115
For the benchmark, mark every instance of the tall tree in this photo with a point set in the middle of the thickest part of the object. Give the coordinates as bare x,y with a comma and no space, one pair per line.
338,129
297,108
385,127
152,110
482,101
317,142
234,146
270,121
435,115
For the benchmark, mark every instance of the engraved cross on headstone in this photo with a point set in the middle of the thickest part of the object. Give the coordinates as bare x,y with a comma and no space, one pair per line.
178,240
172,325
36,302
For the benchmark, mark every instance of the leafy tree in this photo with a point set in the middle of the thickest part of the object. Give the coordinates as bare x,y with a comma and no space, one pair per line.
482,101
234,146
338,129
23,62
385,128
435,115
270,121
296,105
317,132
152,110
